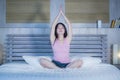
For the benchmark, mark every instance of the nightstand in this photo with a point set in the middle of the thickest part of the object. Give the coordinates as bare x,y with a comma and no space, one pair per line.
117,65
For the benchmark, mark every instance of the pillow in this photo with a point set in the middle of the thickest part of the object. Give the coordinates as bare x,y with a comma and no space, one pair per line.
35,60
88,61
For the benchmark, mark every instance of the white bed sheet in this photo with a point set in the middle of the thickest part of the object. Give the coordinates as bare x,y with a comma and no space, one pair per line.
23,71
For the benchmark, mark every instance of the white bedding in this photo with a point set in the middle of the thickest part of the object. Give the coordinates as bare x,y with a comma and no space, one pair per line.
23,71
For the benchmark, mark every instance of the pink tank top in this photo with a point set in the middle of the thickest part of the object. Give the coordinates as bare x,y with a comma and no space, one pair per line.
61,51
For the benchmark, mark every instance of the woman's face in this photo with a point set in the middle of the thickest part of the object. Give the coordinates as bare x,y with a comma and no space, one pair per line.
60,29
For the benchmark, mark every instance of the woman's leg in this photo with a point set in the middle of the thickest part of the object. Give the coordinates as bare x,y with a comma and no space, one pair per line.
75,64
48,64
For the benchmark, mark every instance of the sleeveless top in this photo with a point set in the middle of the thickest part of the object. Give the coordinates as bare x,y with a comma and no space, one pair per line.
61,51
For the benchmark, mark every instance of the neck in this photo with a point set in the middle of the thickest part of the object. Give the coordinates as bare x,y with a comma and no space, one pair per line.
60,37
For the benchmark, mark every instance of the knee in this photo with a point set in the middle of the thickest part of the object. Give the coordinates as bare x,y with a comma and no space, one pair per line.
43,61
79,62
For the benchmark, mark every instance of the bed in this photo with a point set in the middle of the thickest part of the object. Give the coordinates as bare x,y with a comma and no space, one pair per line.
91,47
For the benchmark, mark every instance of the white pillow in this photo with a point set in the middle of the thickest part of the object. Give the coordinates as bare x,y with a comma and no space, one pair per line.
88,61
35,60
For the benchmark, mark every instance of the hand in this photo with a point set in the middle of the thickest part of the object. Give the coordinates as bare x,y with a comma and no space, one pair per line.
61,11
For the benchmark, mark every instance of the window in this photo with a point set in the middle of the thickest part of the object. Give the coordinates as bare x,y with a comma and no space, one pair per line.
27,11
87,11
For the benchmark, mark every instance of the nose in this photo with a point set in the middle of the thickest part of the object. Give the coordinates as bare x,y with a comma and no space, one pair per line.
60,29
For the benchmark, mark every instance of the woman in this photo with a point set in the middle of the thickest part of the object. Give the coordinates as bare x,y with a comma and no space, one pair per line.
60,41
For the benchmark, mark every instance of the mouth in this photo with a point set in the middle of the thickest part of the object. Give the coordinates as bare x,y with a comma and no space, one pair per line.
60,31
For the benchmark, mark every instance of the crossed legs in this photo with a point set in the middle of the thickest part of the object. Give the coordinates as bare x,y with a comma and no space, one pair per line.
48,64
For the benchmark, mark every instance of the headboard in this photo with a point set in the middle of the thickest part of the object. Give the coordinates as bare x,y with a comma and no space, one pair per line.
18,45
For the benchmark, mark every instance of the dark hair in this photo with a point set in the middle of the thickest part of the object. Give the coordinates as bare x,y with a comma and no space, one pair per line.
65,34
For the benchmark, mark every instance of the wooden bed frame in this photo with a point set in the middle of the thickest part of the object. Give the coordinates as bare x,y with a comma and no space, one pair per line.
17,45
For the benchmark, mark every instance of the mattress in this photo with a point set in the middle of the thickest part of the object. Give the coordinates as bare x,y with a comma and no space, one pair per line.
23,71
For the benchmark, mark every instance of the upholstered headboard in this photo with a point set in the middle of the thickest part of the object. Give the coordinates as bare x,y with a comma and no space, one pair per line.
18,45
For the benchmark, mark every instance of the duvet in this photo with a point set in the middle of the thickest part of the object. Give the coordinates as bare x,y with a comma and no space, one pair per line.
23,71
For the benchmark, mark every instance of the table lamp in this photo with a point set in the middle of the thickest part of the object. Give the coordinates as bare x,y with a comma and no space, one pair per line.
116,54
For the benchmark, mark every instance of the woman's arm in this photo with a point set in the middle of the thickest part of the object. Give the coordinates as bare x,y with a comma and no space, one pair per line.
69,27
52,35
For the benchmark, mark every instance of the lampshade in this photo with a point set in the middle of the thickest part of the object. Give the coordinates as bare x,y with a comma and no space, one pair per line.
116,54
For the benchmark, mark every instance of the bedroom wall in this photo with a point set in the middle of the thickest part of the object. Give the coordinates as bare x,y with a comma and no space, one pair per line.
78,28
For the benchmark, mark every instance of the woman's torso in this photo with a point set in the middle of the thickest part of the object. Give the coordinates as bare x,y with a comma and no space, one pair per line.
61,51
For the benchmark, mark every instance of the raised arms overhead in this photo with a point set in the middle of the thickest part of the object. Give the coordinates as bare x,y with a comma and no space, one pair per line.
52,35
